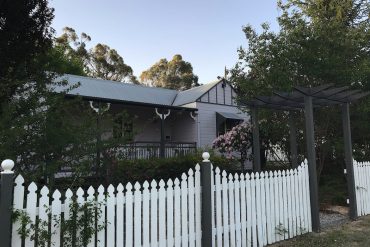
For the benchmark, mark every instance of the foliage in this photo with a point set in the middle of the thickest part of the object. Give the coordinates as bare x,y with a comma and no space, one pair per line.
99,62
25,35
236,141
319,42
174,74
164,168
42,131
78,230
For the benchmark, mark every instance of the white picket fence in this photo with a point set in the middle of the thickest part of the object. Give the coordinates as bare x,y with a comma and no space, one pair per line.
362,185
249,210
261,208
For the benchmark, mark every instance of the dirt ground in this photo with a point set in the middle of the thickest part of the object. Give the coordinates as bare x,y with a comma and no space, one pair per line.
355,233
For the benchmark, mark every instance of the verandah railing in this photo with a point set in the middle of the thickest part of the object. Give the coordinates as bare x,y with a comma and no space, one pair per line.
147,150
252,209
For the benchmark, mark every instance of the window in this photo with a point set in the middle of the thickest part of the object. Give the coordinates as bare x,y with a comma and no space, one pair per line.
122,129
227,125
225,121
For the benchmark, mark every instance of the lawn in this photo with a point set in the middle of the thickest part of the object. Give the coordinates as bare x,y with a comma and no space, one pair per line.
354,233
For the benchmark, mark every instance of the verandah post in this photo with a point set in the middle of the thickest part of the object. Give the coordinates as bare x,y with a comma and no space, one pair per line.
6,201
207,214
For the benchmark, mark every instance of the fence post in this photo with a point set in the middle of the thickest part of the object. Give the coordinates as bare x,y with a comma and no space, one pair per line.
6,201
206,183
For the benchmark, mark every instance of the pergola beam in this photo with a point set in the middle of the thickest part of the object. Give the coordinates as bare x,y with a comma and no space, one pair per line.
311,91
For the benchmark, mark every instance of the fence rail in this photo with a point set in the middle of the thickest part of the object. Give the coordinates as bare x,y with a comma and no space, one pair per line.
253,209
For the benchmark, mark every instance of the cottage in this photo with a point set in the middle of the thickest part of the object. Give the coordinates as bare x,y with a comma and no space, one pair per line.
167,121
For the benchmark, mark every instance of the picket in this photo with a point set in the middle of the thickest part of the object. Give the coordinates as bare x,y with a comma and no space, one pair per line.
169,195
231,210
258,208
153,214
120,216
243,212
191,211
161,214
17,205
44,209
237,211
56,217
101,219
111,225
31,210
198,211
271,205
289,199
285,205
80,202
276,207
225,207
251,209
296,203
263,209
129,215
146,215
184,210
177,215
137,215
218,190
267,204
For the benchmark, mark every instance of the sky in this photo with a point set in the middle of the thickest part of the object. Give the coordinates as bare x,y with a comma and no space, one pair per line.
207,33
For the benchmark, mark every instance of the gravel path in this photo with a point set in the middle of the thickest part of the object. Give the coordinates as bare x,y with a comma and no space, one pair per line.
332,219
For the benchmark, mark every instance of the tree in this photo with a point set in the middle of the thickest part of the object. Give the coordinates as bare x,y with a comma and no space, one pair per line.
25,35
99,62
39,129
175,74
319,42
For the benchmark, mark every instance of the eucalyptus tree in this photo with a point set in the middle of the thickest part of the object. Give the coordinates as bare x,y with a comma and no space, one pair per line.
174,74
100,61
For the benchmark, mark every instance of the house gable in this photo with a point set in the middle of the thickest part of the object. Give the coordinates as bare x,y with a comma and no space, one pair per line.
219,92
222,94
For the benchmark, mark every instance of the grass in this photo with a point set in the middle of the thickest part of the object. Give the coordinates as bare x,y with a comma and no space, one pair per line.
354,234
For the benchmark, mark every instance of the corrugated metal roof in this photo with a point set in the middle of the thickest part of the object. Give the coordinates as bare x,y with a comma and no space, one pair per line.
119,91
97,88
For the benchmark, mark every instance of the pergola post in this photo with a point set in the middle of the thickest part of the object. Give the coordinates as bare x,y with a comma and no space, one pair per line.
293,141
256,140
311,155
349,161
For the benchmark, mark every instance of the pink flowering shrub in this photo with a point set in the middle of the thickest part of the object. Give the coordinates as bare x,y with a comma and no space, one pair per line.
237,141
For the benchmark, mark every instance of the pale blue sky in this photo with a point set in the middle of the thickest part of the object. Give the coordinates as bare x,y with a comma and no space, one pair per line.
206,33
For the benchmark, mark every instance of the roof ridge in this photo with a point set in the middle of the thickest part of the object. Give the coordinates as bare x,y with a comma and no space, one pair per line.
125,83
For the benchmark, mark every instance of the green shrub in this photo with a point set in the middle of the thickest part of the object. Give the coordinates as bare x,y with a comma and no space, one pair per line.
141,170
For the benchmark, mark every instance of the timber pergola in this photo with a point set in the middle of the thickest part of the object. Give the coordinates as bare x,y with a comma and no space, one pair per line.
306,99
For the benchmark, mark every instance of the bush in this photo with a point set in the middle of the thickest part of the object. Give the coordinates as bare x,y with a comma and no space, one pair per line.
141,170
